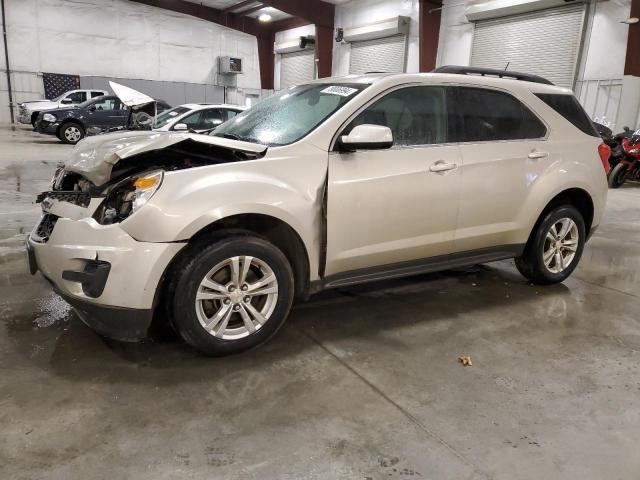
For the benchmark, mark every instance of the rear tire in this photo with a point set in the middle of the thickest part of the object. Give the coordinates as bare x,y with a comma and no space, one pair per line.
71,133
617,175
231,295
555,247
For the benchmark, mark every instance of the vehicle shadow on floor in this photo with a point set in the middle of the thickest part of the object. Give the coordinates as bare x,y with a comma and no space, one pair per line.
373,313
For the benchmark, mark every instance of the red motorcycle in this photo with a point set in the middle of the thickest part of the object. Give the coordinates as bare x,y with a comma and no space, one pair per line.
628,167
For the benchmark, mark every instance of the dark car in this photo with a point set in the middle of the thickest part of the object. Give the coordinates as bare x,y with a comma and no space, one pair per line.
94,116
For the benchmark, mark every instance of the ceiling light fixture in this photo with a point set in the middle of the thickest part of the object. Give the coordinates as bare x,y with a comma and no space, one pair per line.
265,17
631,21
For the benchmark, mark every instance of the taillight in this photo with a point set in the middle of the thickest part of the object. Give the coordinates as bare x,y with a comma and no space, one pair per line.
604,151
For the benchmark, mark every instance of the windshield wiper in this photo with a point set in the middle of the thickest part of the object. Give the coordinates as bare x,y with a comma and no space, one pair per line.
230,136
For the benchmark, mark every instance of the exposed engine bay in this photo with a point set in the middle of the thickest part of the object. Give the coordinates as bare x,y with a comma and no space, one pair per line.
137,176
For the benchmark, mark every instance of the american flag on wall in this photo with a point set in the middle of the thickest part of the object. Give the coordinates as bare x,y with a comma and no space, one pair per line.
55,84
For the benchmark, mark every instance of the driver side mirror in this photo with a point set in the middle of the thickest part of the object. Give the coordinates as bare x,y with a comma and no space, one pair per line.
66,101
181,127
366,137
92,108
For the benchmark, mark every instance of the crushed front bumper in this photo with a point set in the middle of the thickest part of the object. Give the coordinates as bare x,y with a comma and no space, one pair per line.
24,117
47,128
108,277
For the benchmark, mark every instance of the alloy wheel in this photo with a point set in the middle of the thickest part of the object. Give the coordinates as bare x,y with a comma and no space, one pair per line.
72,134
560,245
236,297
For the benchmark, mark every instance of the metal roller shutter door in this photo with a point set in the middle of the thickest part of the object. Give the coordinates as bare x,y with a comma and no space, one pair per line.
378,55
545,43
297,67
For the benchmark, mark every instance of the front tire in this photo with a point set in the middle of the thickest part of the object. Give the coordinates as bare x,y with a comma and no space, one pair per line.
555,247
231,295
71,133
617,175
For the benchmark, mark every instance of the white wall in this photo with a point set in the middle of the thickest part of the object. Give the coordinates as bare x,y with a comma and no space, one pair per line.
118,38
284,36
122,39
362,12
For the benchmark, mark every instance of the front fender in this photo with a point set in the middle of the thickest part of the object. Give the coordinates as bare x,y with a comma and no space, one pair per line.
289,189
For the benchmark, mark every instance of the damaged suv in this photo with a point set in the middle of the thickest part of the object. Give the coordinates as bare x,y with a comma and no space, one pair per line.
332,183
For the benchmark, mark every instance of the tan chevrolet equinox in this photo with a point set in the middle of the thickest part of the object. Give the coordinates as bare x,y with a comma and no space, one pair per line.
333,183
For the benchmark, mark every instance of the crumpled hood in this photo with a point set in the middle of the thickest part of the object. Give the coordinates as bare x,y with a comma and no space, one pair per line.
94,157
34,104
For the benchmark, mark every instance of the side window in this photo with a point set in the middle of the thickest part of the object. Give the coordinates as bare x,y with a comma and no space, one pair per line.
210,119
192,121
77,97
96,94
491,115
106,104
569,107
231,114
415,115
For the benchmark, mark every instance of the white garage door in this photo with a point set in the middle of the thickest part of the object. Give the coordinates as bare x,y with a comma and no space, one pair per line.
378,55
545,43
297,67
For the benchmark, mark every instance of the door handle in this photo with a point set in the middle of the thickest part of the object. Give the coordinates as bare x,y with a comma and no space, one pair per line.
535,154
442,166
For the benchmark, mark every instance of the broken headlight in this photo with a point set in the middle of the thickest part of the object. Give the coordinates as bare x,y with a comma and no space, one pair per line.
127,197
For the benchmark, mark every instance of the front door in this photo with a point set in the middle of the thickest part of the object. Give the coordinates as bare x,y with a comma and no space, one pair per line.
399,204
107,113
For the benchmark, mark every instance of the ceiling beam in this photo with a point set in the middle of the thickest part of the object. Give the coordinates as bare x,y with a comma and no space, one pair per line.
314,11
287,23
249,11
238,6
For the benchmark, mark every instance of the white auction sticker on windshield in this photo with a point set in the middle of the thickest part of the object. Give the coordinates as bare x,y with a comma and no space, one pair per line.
337,90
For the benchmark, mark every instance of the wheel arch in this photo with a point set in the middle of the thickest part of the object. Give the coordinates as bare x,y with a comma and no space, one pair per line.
273,229
67,120
578,198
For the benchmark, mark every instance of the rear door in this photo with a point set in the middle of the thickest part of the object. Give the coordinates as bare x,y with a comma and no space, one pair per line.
504,149
398,204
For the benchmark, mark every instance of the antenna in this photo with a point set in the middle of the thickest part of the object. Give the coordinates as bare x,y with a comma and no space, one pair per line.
506,66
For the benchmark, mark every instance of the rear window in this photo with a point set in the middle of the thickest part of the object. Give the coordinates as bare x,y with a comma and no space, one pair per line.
569,107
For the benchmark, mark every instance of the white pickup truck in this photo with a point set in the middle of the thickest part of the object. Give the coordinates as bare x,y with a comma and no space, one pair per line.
28,111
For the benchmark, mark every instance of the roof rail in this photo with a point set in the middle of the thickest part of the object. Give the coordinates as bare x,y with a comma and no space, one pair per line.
491,72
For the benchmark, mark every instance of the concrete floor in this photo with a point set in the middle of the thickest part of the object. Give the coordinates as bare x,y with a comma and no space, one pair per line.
361,383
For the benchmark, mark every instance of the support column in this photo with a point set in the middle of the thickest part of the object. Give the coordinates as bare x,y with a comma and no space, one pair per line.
632,63
629,112
324,50
265,57
429,33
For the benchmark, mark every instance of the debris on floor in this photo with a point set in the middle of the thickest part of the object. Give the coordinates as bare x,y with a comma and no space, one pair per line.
465,360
